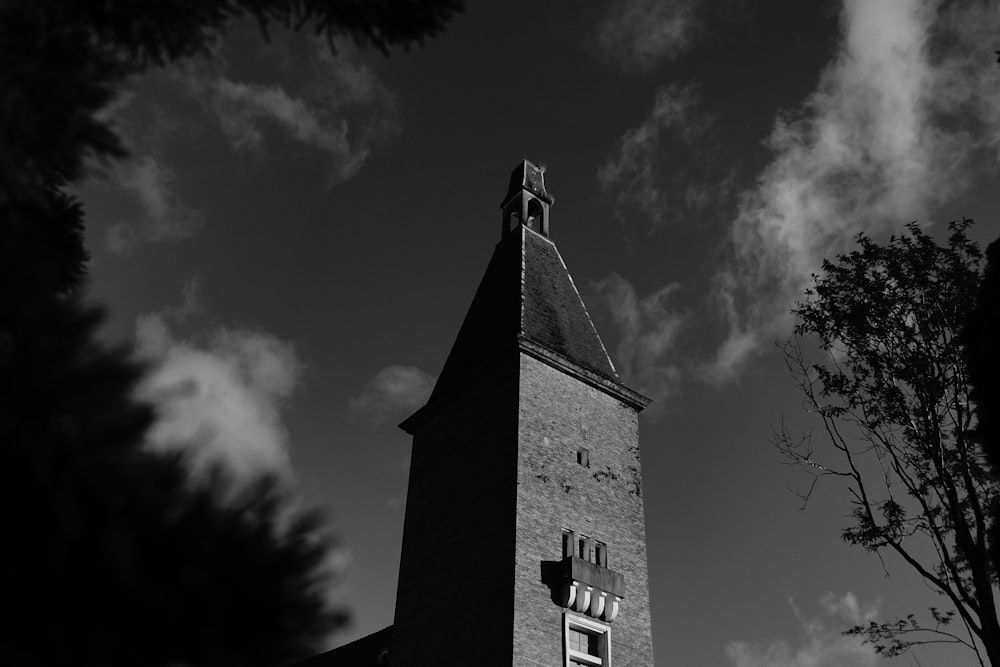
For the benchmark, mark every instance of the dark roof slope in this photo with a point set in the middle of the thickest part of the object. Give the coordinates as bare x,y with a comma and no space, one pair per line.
369,651
492,322
526,292
554,314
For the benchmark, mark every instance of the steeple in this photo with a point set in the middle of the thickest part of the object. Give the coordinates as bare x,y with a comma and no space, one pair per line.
527,300
526,201
524,540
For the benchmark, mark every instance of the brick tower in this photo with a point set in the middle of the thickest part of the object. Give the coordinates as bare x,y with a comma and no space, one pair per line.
524,542
524,539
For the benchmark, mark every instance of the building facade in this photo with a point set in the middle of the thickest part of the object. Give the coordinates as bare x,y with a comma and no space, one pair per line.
524,537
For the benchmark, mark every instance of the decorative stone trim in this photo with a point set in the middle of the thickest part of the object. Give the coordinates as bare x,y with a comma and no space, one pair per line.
591,601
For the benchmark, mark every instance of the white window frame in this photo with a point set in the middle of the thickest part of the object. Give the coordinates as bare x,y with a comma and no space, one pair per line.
590,626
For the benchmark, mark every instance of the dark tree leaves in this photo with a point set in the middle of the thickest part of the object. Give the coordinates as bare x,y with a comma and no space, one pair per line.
892,390
111,554
981,337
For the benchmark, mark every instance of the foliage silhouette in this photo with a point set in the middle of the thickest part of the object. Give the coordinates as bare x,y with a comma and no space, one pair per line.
982,355
113,554
892,392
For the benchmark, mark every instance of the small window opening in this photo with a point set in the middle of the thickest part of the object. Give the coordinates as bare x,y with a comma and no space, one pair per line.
535,214
601,554
583,547
583,457
568,542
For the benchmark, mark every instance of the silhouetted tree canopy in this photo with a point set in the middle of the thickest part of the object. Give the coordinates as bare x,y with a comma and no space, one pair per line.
982,335
110,553
42,254
891,386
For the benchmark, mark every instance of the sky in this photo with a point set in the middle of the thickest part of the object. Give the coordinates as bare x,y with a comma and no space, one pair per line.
297,235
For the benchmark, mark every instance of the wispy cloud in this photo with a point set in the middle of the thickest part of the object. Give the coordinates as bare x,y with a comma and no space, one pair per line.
392,392
190,305
632,166
875,145
163,218
641,33
343,111
335,105
821,643
646,329
644,177
146,177
219,402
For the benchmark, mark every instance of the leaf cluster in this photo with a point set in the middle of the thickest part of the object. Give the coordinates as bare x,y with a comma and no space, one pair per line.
982,331
896,637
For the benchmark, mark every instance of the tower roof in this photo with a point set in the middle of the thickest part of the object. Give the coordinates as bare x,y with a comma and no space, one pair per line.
526,301
526,295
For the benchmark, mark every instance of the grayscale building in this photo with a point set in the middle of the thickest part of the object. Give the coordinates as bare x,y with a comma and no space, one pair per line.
524,539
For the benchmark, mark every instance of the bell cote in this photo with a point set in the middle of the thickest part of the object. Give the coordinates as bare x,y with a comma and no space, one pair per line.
526,203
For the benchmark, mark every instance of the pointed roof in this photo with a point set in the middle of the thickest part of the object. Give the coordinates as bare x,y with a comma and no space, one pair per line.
527,300
527,294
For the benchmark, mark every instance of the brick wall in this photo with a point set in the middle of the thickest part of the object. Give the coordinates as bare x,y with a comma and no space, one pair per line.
494,478
558,414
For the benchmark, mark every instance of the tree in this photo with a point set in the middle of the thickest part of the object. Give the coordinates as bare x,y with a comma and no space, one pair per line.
891,388
111,553
982,330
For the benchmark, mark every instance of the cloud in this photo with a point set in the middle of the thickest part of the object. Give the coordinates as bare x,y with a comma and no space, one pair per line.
647,329
878,143
220,402
393,391
343,111
190,302
164,217
145,177
848,608
335,105
643,176
820,645
641,33
632,166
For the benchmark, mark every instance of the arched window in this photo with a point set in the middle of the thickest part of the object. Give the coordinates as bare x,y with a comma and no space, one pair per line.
535,213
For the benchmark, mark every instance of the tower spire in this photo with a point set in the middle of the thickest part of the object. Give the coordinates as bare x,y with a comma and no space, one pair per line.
526,300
